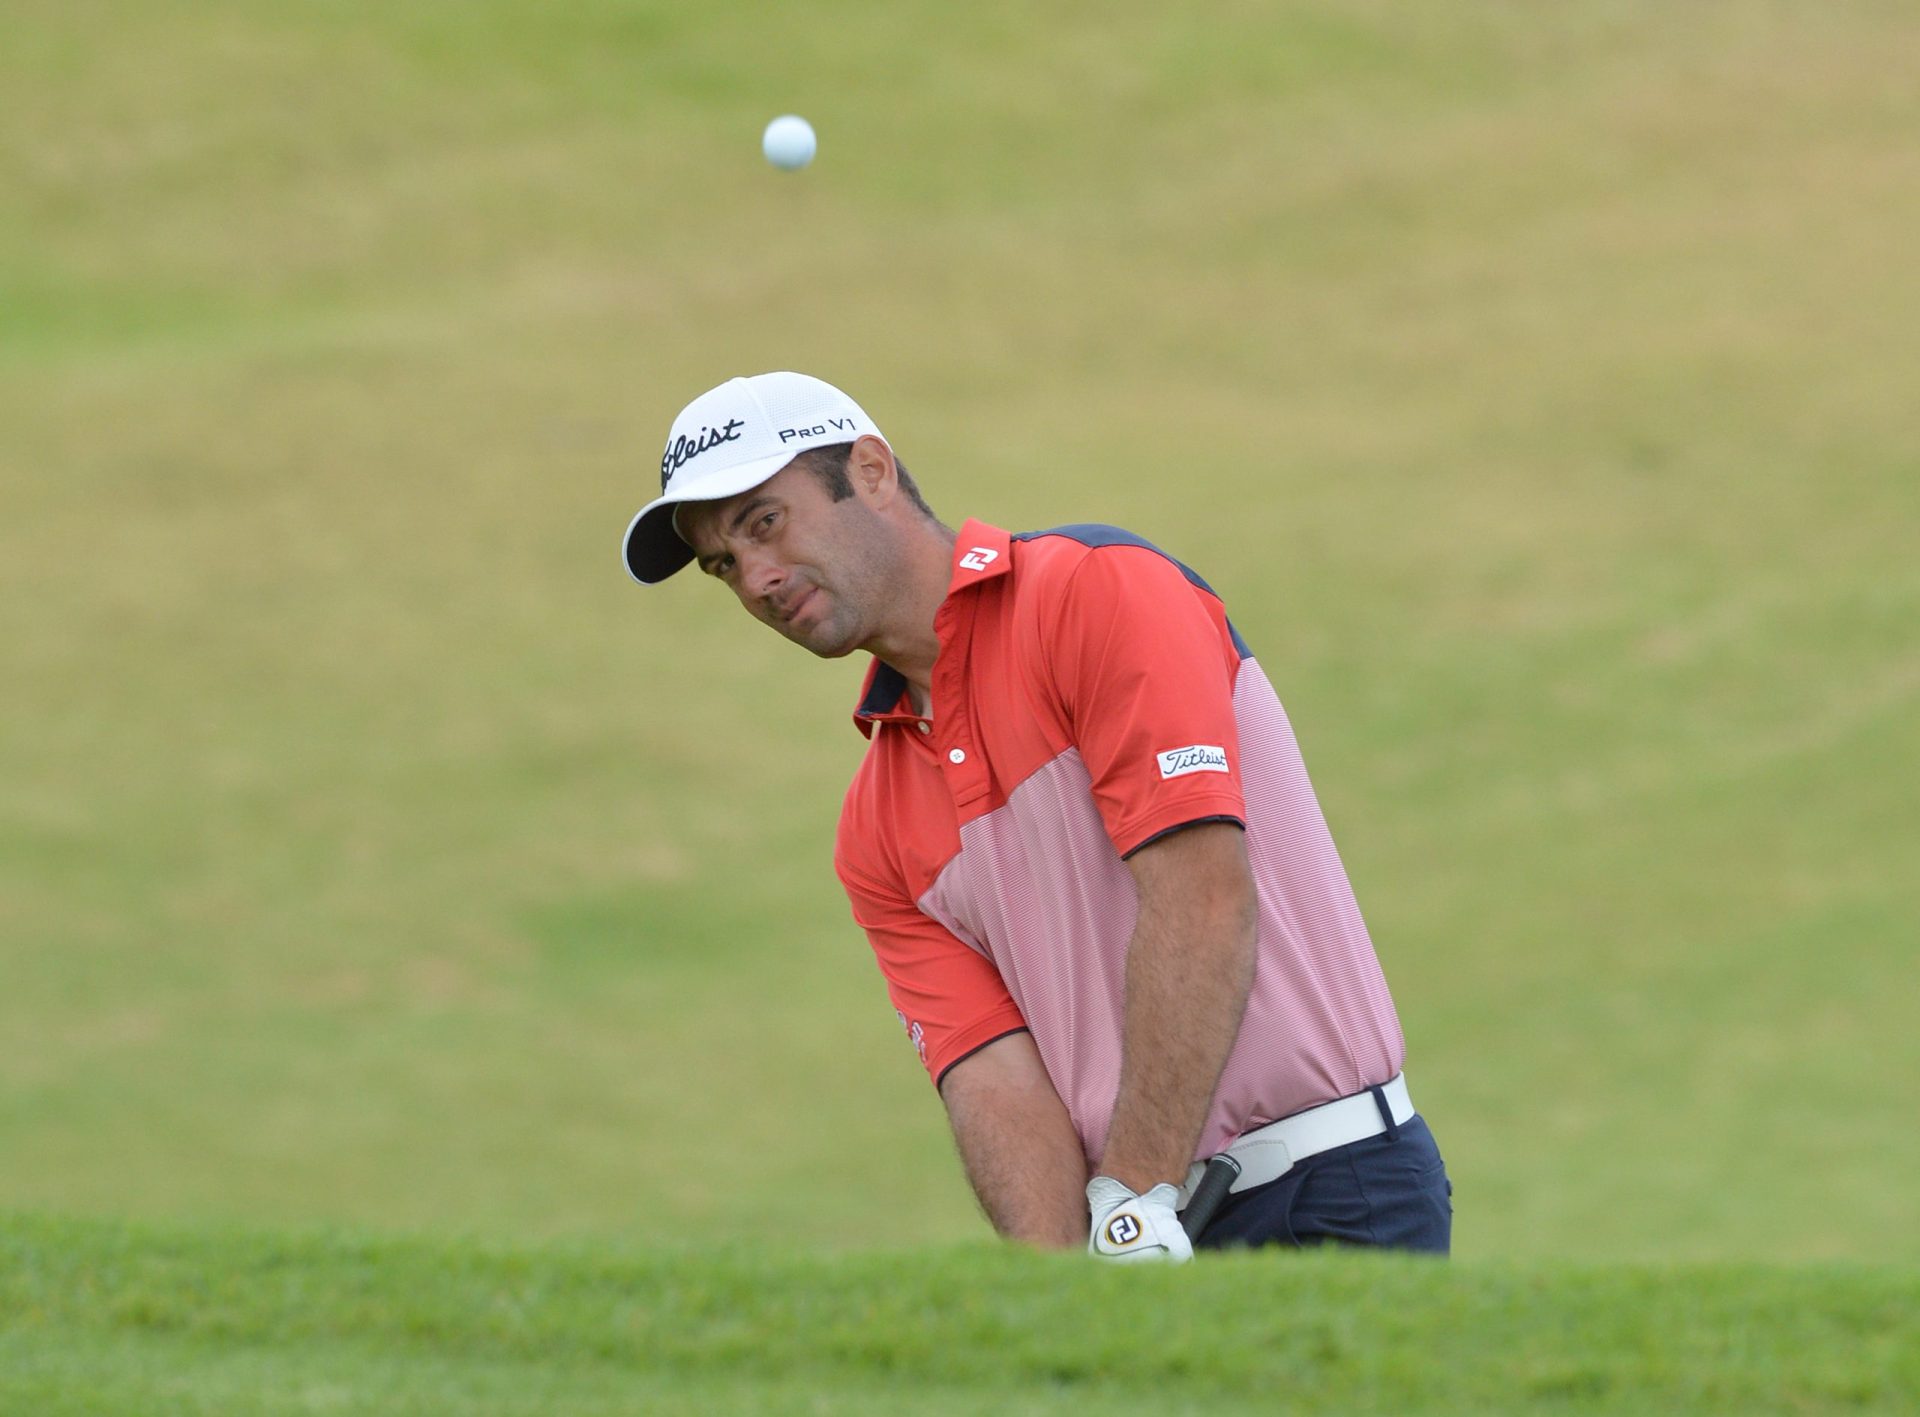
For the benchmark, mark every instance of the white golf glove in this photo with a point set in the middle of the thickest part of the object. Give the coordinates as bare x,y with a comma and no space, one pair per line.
1130,1227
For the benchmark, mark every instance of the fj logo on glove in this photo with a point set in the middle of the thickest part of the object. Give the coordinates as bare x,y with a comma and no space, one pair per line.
1123,1230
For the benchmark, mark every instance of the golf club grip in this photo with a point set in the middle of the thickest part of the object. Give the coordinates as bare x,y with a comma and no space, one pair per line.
1222,1171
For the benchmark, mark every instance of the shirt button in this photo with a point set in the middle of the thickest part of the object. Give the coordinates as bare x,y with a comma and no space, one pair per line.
924,726
957,756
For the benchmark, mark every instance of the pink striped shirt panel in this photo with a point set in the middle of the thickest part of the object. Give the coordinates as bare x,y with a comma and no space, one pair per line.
1038,890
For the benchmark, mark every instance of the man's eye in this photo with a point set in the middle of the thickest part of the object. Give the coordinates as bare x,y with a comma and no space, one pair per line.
766,521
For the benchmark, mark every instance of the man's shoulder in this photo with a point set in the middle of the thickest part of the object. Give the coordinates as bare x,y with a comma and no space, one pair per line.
1078,538
1048,560
1089,570
1053,559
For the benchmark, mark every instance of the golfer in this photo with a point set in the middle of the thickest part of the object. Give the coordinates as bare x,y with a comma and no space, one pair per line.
1082,844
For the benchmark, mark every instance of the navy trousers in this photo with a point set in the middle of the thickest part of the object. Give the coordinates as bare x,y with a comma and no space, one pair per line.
1391,1190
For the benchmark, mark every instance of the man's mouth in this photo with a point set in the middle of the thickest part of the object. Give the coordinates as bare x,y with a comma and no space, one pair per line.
794,607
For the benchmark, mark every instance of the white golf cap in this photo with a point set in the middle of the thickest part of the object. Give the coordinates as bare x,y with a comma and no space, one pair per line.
728,440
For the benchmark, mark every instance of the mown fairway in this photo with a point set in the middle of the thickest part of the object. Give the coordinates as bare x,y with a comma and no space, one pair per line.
1537,383
104,1317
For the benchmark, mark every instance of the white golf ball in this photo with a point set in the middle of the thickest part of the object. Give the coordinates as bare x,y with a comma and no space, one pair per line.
788,142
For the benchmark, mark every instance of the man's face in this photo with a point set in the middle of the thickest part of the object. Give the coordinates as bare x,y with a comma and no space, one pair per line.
813,568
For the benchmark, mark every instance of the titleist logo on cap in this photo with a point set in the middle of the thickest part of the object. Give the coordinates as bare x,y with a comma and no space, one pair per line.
683,449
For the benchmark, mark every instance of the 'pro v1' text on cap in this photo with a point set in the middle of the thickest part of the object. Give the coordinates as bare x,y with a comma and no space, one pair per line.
728,440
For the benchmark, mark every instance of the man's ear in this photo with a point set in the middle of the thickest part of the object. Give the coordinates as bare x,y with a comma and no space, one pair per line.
871,468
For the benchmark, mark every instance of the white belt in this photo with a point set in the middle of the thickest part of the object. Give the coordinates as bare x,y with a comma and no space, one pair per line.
1268,1153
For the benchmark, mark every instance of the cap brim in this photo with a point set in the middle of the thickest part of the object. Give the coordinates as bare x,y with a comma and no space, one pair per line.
653,549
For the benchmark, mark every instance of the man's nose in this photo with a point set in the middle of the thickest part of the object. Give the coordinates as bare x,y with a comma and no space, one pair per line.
760,575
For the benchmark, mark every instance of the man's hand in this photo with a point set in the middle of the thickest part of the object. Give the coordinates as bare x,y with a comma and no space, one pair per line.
1129,1227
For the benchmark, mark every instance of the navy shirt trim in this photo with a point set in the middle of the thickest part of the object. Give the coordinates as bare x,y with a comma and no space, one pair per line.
888,685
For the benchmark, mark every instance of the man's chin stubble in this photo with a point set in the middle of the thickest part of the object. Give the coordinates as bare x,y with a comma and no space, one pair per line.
824,643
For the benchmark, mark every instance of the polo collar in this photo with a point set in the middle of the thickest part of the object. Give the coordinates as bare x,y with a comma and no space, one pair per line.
881,698
980,554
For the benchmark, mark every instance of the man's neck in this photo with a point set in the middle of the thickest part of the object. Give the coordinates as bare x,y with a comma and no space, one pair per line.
909,642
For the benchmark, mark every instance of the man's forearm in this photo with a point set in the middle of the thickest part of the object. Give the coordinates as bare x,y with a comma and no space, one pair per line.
1022,1155
1190,969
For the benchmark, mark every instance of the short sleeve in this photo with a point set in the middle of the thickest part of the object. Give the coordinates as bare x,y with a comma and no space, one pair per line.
1144,662
950,999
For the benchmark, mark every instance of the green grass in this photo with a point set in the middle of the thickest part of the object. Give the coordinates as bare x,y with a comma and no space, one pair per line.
1535,382
117,1317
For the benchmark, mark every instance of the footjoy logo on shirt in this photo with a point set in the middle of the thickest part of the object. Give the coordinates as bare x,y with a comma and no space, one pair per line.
915,1034
1201,757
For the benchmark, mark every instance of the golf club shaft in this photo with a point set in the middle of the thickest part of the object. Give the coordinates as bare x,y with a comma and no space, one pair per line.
1222,1171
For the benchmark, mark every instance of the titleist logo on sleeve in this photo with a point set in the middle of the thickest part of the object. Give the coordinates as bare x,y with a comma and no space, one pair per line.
1201,757
683,448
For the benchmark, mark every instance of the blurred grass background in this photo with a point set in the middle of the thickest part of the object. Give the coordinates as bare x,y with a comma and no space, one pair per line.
1536,383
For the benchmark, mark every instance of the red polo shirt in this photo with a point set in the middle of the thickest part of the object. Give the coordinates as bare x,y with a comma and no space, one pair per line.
1089,696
